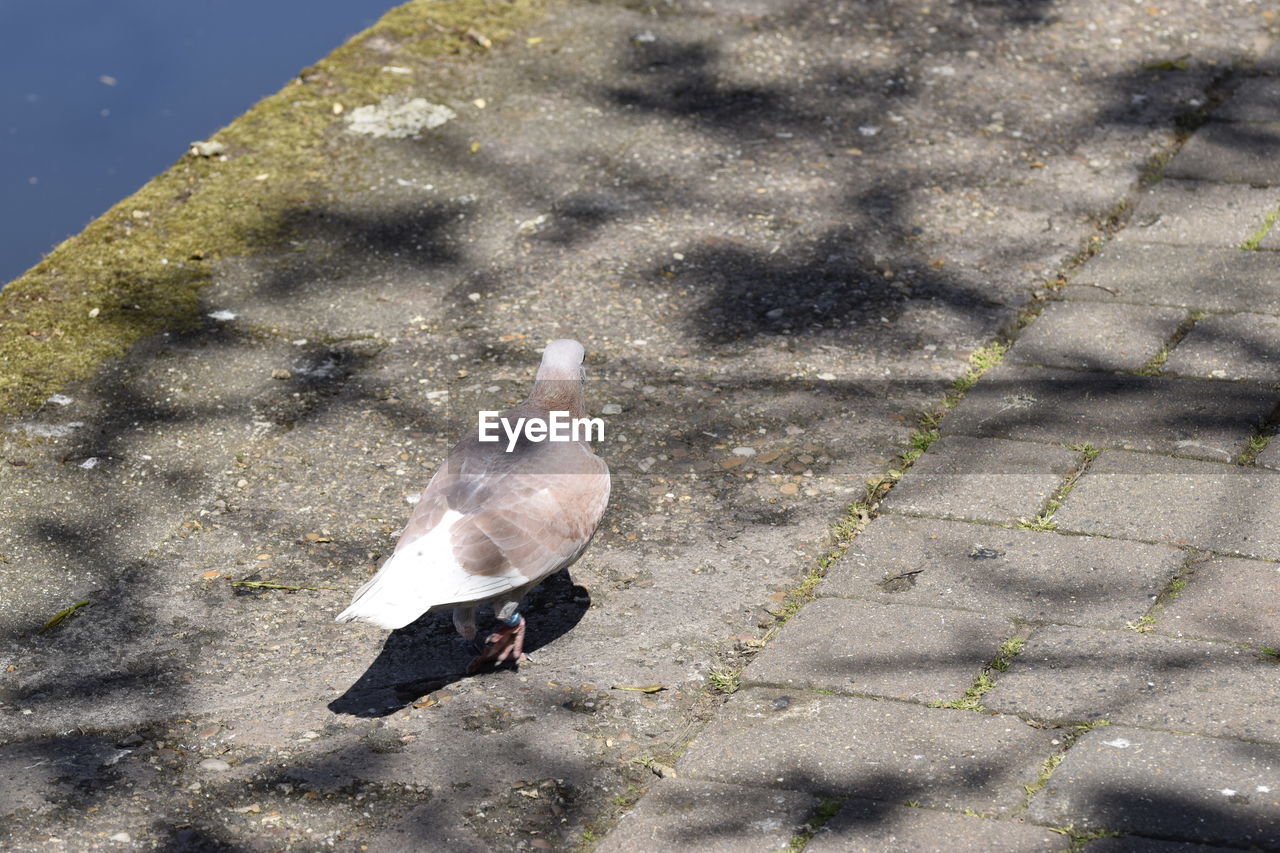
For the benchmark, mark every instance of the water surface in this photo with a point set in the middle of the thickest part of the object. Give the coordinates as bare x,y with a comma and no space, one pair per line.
97,97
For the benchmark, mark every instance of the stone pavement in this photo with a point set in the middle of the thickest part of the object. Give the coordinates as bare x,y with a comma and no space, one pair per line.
1063,630
784,229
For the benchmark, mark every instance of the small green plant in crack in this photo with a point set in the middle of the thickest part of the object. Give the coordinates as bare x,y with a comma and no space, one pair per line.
980,361
1257,444
1043,521
1080,837
724,680
826,809
972,698
920,441
1270,653
1142,625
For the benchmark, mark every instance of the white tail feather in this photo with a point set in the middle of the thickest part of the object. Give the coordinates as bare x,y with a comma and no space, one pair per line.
422,575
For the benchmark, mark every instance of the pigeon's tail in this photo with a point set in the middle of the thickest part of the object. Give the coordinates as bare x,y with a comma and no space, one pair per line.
421,575
388,599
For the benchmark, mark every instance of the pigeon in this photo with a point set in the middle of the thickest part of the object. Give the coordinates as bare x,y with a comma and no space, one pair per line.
497,518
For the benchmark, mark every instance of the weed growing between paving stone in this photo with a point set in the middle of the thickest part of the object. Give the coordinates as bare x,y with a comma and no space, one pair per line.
1044,520
827,808
972,699
1079,837
724,680
1073,734
1176,584
1259,440
1254,241
1156,362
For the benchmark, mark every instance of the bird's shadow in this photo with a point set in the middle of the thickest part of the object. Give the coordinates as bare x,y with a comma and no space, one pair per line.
426,655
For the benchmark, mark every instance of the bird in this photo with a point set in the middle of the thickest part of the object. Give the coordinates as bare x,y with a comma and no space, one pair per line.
496,519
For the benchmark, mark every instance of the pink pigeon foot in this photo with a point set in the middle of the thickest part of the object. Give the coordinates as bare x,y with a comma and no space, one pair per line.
503,644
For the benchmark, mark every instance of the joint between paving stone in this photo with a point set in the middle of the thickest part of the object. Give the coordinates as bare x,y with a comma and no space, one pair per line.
1044,519
1070,737
1260,439
826,809
1009,649
1146,623
1254,243
1156,362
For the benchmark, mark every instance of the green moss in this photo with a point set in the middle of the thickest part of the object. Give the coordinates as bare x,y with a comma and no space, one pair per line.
141,265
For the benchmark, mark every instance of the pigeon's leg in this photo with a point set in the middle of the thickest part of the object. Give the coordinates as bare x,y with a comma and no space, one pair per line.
464,620
506,643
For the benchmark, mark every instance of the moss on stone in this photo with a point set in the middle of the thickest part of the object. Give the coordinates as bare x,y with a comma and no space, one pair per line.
138,269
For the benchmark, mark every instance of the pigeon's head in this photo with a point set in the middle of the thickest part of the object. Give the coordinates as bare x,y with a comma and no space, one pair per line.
561,377
562,361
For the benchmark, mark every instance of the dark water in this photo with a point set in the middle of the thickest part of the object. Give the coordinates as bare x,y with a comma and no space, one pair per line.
97,96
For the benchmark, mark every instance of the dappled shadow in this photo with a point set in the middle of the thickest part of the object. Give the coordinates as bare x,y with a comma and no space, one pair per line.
427,656
803,269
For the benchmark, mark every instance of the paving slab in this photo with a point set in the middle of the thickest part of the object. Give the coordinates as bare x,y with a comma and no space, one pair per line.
1241,153
1270,241
1230,346
915,653
1196,213
868,748
1085,336
1183,276
1227,598
862,826
1179,786
982,479
1226,508
1026,574
1189,417
1137,844
1270,455
1065,673
689,815
1257,99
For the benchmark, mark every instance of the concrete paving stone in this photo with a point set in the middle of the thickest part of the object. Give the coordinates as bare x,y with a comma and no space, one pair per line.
981,479
1226,508
688,815
863,826
1137,844
1017,573
1271,241
1065,673
1230,346
1270,455
1190,417
1087,336
1195,213
1242,153
868,748
1257,99
1228,598
1182,276
916,653
1181,786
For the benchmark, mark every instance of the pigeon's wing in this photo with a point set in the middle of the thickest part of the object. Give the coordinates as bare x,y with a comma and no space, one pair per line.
480,530
541,521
